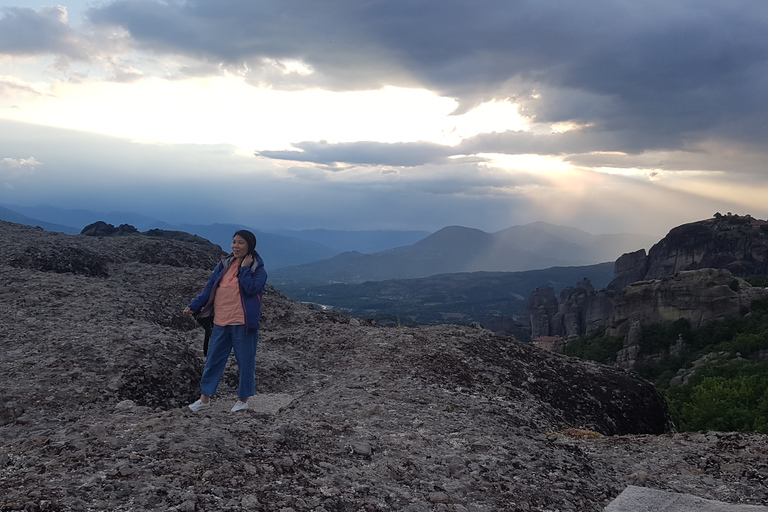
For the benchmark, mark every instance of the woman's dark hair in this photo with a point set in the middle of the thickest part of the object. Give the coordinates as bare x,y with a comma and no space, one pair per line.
250,239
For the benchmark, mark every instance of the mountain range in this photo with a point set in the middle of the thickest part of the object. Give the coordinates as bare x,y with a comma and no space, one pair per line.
9,215
281,248
322,256
534,246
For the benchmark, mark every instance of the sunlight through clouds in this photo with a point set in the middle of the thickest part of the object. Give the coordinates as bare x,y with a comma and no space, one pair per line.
516,105
532,163
226,110
229,111
715,185
490,117
288,66
638,173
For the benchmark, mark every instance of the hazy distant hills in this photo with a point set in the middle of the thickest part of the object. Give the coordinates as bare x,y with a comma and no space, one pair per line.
360,241
12,216
288,248
278,248
322,256
74,220
459,249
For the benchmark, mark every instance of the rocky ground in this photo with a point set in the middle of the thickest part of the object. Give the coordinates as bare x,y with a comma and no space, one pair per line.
98,364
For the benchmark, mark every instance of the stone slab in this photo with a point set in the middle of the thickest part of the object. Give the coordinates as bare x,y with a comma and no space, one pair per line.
643,499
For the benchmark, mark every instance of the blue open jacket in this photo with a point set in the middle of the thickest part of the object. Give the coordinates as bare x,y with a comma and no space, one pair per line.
252,280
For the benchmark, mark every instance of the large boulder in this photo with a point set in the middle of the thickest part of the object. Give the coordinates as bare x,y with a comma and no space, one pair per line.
101,228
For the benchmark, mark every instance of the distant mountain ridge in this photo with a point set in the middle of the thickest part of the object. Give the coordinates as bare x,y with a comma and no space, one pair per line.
280,248
318,255
459,249
12,216
364,241
76,219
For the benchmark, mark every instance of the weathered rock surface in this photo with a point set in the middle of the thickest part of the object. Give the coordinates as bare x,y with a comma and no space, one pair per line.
699,296
97,369
629,268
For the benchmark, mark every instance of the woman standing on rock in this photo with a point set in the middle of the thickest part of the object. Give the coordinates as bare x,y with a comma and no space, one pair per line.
233,296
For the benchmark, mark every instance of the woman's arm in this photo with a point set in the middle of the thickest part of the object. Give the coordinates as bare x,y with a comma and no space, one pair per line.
252,280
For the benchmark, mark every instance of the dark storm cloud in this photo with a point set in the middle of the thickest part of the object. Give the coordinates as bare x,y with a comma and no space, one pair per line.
654,74
413,154
28,32
554,144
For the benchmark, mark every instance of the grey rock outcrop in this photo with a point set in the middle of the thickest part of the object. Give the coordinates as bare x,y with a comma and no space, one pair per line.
101,228
542,309
629,268
577,310
96,372
628,355
699,296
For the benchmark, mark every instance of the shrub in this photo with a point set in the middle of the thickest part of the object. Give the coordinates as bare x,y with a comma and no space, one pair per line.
745,345
659,337
596,347
735,404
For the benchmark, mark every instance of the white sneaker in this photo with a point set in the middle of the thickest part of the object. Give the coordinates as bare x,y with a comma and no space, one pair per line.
239,406
199,405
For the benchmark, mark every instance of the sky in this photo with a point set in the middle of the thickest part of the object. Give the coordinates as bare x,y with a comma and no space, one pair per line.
609,116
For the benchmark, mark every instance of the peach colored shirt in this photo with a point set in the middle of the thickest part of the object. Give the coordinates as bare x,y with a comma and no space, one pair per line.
227,305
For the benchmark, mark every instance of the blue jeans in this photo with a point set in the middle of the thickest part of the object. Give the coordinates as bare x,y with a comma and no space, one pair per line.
223,341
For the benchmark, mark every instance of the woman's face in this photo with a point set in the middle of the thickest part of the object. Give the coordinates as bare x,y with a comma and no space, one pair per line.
239,247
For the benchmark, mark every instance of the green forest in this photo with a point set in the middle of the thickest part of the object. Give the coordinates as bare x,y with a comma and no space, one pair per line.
718,381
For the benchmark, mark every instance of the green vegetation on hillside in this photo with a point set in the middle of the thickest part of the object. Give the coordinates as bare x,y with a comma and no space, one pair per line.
595,346
717,379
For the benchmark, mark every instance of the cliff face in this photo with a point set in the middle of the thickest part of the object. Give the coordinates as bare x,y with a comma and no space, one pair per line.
738,244
693,273
699,296
629,268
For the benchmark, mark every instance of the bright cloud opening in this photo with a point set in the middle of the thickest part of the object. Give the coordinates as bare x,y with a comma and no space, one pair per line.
492,116
289,66
532,163
226,110
646,174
